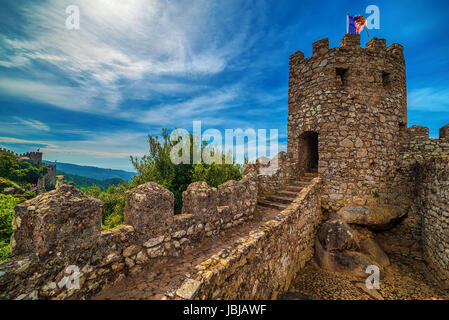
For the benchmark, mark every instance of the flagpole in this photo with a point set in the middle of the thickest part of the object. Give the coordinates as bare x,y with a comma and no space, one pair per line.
347,23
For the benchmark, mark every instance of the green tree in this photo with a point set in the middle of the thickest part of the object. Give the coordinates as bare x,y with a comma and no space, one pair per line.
158,167
113,203
7,204
19,171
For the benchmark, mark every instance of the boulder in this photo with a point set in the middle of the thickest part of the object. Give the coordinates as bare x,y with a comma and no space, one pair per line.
370,247
377,217
337,235
341,248
346,261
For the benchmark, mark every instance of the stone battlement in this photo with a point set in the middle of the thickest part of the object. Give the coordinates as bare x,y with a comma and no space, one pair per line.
65,225
352,42
35,157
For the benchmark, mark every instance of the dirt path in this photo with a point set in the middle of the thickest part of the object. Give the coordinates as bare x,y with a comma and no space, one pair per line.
401,281
154,282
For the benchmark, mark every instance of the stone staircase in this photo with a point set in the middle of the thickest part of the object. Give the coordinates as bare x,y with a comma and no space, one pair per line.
282,197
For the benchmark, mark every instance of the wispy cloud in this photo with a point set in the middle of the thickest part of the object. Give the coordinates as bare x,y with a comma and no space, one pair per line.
35,124
429,99
120,42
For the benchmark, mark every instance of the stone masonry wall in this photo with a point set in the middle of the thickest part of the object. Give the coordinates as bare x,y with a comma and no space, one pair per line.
61,228
355,100
420,188
261,265
435,212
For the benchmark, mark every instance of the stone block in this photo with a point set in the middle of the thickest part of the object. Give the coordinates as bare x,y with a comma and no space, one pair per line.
149,208
56,221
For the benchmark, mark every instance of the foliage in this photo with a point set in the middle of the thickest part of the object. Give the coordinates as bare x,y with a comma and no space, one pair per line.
113,202
7,204
158,167
5,183
19,171
83,182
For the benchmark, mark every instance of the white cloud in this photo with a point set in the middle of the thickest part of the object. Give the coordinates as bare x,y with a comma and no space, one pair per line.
97,145
119,41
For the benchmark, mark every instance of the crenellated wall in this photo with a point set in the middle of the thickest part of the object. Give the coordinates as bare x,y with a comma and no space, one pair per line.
262,264
62,228
33,157
421,188
355,100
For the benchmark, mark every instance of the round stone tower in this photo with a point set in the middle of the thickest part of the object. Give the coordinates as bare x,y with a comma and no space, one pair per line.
347,108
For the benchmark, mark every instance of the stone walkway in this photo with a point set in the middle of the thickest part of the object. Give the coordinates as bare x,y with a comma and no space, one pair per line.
401,281
154,282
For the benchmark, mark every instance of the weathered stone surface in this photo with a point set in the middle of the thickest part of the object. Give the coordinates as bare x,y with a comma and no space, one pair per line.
201,201
340,248
371,248
354,100
154,242
149,208
337,235
131,250
59,220
353,262
189,289
376,217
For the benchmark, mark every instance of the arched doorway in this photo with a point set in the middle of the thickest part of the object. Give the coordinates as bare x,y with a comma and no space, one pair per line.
308,151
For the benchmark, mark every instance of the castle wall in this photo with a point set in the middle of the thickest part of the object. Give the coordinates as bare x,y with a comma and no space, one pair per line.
261,265
435,223
355,99
420,187
48,180
64,225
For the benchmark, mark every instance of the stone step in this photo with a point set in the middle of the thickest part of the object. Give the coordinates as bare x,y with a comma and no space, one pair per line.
280,199
293,188
311,174
286,193
269,204
299,183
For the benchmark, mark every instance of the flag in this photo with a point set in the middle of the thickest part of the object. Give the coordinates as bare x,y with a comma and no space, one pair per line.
355,24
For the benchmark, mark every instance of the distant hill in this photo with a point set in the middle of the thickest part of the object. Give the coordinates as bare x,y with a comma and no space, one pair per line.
80,181
92,172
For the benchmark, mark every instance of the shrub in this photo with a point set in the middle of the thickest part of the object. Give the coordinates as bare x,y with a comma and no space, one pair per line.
7,204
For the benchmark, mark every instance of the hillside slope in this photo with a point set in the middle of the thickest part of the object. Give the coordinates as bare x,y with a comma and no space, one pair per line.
92,172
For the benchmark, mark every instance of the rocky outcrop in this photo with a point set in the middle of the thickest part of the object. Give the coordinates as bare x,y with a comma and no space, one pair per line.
341,248
376,217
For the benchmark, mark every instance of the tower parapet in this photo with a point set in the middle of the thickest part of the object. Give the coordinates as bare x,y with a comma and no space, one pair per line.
349,105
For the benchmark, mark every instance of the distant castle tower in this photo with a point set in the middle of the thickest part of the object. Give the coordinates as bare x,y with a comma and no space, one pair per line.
347,109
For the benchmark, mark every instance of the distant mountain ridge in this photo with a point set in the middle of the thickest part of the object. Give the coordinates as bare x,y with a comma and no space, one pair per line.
81,182
92,172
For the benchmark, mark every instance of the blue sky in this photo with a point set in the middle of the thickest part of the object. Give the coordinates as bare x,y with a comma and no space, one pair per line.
91,96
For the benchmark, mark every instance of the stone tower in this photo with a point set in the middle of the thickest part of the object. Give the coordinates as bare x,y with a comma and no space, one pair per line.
347,109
